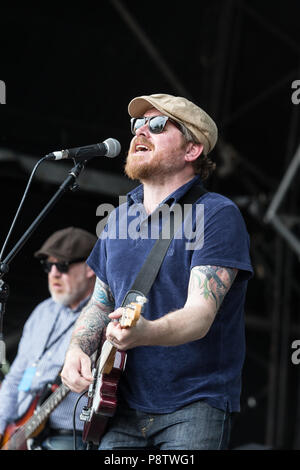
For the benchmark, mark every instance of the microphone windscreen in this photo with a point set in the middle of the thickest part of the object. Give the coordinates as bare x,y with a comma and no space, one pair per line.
113,147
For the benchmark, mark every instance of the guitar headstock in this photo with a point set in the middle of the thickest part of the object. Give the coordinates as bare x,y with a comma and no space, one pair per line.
132,312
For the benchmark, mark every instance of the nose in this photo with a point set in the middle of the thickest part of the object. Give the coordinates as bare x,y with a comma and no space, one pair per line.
54,271
143,130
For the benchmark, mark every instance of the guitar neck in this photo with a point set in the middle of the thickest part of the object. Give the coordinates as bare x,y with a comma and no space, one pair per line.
45,410
17,440
107,353
129,318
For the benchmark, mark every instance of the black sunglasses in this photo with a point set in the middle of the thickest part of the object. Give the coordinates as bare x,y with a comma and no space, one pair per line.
156,123
61,266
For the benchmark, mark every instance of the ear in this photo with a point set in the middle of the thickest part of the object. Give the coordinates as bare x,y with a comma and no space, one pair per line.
193,151
89,272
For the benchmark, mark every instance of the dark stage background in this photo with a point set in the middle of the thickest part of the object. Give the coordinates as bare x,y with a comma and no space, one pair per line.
70,73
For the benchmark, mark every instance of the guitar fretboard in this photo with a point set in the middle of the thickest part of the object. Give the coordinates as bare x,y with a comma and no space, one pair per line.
107,348
38,418
44,411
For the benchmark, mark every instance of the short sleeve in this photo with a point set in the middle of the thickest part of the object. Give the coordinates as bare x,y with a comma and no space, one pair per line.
225,242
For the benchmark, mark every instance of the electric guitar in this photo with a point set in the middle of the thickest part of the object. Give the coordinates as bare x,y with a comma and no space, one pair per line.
17,436
102,393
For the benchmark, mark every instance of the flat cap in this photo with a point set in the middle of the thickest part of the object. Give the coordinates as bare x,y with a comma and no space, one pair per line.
68,244
197,121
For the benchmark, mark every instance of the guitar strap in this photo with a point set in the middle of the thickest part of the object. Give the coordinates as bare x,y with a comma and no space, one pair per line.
150,268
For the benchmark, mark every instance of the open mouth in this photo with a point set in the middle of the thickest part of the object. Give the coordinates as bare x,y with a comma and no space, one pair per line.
141,148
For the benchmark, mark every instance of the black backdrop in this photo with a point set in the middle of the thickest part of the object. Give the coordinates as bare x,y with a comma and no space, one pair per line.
70,73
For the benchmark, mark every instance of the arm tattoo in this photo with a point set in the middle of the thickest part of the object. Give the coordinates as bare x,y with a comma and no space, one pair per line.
93,319
103,295
212,282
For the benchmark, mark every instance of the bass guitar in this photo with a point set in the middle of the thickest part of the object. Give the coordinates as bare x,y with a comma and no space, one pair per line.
17,436
102,393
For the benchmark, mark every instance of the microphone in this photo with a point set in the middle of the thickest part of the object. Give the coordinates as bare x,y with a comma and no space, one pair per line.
109,148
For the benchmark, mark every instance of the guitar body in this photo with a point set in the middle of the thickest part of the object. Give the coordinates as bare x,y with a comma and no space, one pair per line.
13,441
102,393
102,401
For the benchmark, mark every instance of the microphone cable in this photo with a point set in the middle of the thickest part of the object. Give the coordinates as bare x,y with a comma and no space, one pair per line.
21,205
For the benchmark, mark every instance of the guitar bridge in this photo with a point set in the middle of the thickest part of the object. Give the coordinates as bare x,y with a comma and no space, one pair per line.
85,414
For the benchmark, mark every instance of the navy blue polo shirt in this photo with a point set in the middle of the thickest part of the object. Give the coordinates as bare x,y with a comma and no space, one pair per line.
161,379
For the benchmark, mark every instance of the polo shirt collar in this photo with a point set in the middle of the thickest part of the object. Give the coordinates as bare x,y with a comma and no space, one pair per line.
136,196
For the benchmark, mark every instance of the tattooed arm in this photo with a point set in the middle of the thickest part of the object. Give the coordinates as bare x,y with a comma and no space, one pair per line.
93,318
211,284
208,286
76,373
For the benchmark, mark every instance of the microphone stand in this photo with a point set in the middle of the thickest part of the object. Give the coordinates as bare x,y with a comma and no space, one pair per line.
69,183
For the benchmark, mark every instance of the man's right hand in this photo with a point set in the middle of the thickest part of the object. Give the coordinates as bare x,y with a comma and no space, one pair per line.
76,373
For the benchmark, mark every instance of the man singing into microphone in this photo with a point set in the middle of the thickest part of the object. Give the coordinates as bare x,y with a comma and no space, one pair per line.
182,379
